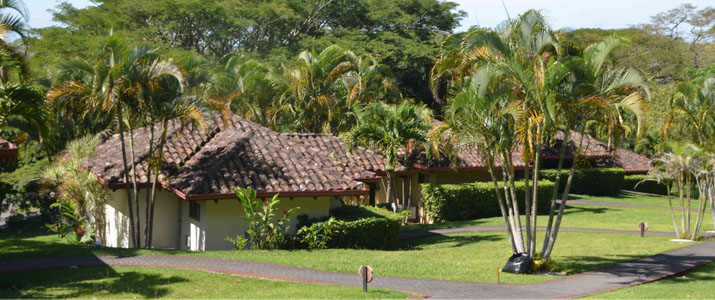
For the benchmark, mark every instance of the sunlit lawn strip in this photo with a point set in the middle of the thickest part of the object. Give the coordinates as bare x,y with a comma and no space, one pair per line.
471,256
143,282
465,256
698,284
594,217
627,198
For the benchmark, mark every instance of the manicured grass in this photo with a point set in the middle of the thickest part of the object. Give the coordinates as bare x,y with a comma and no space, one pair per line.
597,217
143,282
628,198
473,256
698,284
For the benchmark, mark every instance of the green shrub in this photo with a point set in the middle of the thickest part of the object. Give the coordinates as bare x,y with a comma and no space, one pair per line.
361,227
590,181
468,201
636,183
651,187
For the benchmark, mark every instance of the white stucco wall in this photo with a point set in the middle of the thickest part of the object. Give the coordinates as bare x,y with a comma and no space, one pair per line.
225,218
166,220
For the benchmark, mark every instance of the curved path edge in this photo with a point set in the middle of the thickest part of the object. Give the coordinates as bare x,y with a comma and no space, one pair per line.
616,276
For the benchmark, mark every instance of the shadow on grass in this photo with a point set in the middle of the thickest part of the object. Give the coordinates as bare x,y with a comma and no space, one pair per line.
451,224
39,243
570,209
452,240
84,282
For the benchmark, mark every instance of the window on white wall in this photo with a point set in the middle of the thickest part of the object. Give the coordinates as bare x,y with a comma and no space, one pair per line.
195,210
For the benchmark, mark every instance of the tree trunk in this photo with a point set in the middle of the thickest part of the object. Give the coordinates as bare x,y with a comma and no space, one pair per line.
126,178
527,209
409,192
134,186
146,188
672,213
509,184
159,161
388,190
555,192
502,207
535,197
564,198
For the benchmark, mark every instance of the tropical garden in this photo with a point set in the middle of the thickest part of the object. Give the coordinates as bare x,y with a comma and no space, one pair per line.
379,75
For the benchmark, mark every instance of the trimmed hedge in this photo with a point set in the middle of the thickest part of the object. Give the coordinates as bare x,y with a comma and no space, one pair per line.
363,227
652,187
590,181
468,201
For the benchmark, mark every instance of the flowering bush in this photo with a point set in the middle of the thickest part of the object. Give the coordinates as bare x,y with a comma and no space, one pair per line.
264,230
71,225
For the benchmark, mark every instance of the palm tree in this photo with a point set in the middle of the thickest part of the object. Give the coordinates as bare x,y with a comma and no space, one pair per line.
480,115
310,96
390,129
12,23
543,89
124,85
595,92
246,86
694,107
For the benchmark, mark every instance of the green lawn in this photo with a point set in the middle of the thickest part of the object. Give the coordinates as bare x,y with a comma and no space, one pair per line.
628,198
143,282
464,256
698,284
598,217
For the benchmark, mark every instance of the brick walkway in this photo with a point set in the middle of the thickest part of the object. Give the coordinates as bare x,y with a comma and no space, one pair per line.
613,277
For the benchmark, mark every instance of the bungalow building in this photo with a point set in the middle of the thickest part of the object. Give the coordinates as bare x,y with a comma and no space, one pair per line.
196,208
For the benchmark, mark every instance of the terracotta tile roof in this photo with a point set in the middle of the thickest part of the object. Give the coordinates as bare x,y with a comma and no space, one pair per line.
633,163
591,148
242,153
470,158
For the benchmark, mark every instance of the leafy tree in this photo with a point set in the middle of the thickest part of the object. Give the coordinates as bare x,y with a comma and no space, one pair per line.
395,130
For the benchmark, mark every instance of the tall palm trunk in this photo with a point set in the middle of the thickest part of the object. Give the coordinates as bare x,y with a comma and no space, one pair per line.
389,190
126,176
555,192
160,160
512,200
527,208
502,207
564,198
148,177
672,212
535,198
134,186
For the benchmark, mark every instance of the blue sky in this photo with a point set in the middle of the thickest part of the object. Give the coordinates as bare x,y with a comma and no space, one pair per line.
488,13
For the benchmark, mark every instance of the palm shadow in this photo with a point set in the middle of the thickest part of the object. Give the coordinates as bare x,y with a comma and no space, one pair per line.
82,282
570,209
457,240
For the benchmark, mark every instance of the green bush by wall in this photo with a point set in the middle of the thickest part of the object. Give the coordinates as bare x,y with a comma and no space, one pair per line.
652,187
590,181
468,201
362,227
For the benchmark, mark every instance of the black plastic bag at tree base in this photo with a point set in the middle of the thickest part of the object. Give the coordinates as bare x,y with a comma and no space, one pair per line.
519,263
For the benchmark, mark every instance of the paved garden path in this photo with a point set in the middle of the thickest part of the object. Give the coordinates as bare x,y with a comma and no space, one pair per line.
613,277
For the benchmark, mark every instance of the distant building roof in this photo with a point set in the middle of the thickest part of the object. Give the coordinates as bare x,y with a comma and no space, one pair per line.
8,151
